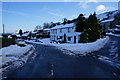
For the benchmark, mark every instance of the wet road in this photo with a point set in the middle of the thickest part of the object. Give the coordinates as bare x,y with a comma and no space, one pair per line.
53,63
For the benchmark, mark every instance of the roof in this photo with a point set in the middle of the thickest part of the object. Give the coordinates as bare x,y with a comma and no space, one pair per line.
108,20
47,29
14,33
18,35
64,26
33,32
118,25
25,34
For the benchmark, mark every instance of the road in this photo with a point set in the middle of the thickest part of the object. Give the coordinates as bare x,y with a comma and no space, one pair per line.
53,63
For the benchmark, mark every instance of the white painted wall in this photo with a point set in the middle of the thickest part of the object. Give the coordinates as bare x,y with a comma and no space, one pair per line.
55,33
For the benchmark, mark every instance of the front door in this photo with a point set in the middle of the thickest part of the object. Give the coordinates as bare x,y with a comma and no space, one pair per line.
74,39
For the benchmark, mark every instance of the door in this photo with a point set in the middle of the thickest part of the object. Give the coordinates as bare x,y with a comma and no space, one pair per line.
74,39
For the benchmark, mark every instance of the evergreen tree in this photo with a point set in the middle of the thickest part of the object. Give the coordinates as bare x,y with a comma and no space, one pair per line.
65,21
92,31
80,23
20,32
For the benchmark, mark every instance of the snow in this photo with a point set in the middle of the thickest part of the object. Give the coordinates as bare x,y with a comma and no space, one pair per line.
116,29
108,20
34,32
64,26
118,26
45,41
25,34
21,42
18,35
14,54
13,51
117,35
14,33
101,16
39,41
47,29
109,15
33,41
82,48
9,36
78,48
1,36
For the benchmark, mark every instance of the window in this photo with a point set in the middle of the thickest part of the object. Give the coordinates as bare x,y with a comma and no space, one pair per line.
69,38
60,30
56,31
68,30
60,37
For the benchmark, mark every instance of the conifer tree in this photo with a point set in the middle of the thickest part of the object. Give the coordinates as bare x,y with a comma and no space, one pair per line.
92,31
80,23
20,32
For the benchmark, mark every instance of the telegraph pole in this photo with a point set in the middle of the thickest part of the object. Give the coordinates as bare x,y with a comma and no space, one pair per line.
119,6
3,29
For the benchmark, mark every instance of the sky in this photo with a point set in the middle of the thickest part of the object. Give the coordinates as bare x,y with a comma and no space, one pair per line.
27,15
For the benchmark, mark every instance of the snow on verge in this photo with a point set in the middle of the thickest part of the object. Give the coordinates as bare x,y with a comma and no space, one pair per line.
82,48
14,56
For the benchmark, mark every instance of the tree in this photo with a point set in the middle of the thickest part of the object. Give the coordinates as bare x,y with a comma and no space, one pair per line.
92,30
117,18
80,23
46,25
38,27
20,32
65,21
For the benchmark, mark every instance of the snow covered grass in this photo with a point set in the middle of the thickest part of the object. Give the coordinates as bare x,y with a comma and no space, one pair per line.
78,48
82,48
117,35
14,54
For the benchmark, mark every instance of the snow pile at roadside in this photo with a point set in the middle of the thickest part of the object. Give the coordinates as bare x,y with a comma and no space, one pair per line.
117,35
14,55
82,48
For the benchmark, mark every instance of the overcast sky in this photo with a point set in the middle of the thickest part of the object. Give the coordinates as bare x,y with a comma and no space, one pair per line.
26,15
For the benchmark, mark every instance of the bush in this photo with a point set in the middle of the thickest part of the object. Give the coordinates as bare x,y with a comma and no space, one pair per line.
7,42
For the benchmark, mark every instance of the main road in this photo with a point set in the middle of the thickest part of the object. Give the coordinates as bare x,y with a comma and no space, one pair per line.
50,62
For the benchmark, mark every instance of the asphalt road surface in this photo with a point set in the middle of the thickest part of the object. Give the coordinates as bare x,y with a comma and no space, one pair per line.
53,63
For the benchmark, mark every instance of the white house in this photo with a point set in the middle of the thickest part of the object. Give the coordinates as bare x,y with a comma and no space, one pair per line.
107,24
62,32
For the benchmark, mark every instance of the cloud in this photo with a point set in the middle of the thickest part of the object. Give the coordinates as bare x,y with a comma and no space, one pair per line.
56,14
93,1
13,12
101,8
83,5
